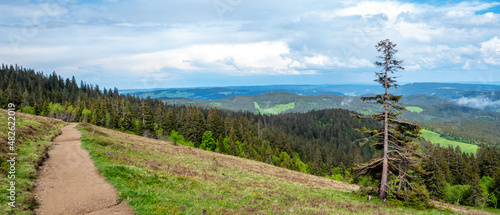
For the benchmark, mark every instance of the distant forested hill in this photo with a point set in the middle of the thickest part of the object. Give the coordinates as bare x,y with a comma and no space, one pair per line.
442,90
431,108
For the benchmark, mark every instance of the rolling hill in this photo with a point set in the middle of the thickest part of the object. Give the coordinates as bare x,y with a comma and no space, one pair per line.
160,177
213,93
274,98
431,108
443,90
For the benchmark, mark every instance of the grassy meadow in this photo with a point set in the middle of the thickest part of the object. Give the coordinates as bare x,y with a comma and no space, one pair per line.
437,139
34,136
157,177
275,109
414,109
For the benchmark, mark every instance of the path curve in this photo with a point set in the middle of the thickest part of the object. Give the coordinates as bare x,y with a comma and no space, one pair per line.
69,183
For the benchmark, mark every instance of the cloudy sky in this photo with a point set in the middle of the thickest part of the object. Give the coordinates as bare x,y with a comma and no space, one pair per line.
164,43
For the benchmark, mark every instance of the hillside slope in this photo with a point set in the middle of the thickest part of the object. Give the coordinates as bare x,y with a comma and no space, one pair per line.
34,136
159,177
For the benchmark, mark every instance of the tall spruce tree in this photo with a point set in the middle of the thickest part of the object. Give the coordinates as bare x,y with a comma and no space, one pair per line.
435,168
394,137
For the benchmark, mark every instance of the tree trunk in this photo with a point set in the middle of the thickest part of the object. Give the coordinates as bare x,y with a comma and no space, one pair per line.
383,181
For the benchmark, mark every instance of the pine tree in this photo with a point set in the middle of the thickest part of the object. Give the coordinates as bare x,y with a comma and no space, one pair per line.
146,118
159,115
471,177
395,137
487,160
169,121
215,123
434,177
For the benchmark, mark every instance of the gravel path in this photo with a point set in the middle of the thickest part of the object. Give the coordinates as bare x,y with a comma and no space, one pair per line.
69,183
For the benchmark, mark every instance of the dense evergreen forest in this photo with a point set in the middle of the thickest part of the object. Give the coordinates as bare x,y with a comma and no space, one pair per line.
460,178
320,142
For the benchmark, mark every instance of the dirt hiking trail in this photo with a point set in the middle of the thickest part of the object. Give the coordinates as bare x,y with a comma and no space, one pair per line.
69,183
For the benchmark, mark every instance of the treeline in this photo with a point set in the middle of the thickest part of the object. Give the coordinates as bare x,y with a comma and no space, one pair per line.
315,142
461,178
469,131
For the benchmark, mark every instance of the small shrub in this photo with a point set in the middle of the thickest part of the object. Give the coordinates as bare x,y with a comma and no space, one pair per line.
175,137
28,110
418,198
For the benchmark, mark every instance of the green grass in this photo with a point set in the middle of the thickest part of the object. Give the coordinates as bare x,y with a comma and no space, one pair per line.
275,109
435,138
414,109
33,137
156,177
217,104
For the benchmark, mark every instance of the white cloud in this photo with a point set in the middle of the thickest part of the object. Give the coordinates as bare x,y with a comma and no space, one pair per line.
413,67
491,51
251,58
323,61
391,9
442,56
359,63
269,57
418,31
319,60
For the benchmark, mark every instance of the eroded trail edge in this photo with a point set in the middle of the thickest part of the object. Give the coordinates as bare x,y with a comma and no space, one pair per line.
69,183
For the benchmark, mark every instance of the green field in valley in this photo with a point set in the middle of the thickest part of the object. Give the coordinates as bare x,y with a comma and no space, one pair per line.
275,109
216,104
437,139
415,109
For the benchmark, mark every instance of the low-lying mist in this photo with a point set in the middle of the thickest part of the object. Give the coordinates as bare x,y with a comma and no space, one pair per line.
483,103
